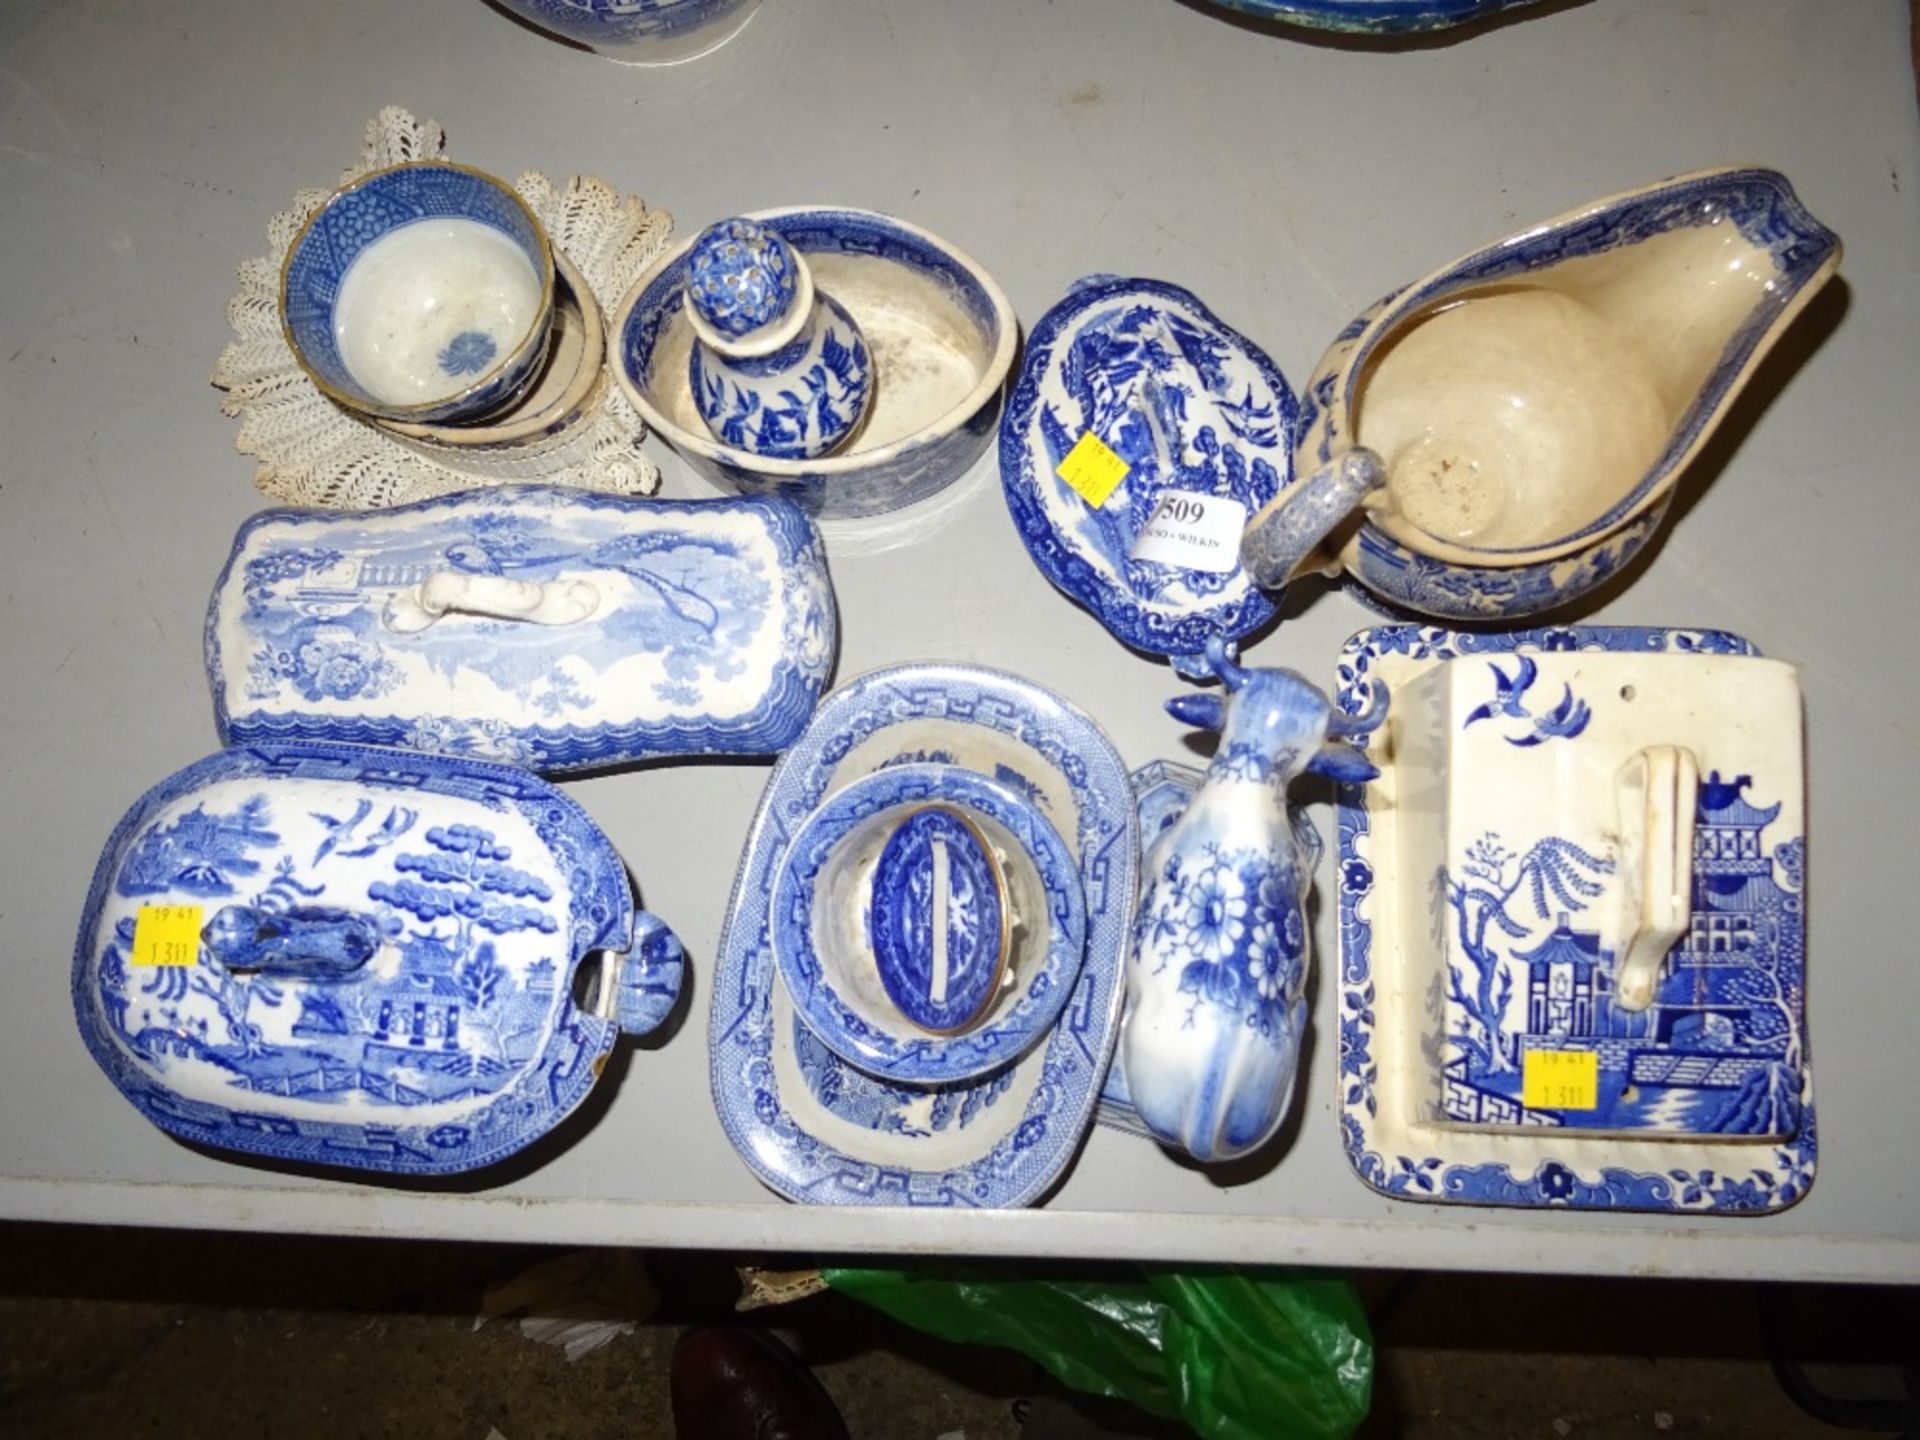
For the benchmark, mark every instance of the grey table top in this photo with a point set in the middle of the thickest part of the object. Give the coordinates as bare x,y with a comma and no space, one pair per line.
1288,181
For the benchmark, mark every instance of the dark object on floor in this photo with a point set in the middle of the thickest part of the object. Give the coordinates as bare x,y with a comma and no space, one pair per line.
736,1384
1879,1416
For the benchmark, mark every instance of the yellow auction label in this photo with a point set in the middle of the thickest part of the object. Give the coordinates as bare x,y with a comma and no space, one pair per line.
166,935
1092,469
1560,1080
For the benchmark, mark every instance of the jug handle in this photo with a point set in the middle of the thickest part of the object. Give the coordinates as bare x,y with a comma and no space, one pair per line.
1284,539
1659,792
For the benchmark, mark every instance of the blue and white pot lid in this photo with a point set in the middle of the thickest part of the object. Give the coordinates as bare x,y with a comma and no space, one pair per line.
538,625
345,956
817,1130
1201,422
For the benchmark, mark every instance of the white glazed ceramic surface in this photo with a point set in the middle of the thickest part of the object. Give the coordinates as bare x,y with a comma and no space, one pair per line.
427,306
568,385
1493,879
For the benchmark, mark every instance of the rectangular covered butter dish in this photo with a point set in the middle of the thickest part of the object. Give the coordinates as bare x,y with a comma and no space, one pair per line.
546,627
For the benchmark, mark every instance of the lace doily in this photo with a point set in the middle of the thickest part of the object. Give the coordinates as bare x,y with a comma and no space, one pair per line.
312,452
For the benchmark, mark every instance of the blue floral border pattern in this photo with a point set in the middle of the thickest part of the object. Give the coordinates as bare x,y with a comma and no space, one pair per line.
1027,1158
600,21
1129,619
1430,1177
552,1084
806,594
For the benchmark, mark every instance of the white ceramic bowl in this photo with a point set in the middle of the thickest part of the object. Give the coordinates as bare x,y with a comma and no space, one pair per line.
941,332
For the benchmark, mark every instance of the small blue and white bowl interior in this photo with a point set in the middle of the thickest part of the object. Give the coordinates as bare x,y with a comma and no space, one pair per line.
828,899
424,292
941,332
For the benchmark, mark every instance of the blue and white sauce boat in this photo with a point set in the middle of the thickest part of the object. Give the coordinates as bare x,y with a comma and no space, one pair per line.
539,625
364,958
1512,425
1215,1005
641,32
777,367
940,334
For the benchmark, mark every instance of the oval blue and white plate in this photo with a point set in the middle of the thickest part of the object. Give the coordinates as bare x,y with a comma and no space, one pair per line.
1373,17
816,1129
850,1011
1193,409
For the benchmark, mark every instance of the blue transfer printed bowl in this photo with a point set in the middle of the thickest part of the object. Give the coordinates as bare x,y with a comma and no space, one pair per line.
641,32
435,326
941,332
833,893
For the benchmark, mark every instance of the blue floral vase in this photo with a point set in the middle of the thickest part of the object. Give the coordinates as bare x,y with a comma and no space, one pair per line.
777,368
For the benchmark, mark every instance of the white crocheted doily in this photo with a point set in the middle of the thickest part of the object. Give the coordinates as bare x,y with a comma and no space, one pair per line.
312,452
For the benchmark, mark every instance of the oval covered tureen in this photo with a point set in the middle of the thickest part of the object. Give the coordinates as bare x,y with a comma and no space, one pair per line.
374,959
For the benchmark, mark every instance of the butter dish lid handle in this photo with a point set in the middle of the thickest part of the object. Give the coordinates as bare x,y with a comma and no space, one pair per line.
1659,791
447,592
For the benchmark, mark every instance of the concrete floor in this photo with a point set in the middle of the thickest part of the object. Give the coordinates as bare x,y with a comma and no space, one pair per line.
150,1333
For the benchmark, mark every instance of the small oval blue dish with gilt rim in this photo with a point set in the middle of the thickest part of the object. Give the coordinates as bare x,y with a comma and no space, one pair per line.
939,921
827,899
1196,413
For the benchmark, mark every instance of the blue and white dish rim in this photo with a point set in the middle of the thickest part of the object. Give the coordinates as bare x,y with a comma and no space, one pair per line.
921,1058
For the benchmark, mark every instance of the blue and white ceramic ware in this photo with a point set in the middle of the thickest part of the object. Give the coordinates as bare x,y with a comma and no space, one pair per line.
939,332
776,367
641,32
1205,426
853,910
543,626
1573,922
1216,1013
1374,17
819,1130
1529,408
333,955
423,292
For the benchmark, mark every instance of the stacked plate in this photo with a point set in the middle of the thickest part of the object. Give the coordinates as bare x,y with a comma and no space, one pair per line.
919,981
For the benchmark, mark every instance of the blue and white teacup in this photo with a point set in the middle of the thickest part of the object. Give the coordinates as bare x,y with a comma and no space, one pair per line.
423,292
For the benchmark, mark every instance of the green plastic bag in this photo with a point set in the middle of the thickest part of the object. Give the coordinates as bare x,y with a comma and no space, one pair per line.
1236,1355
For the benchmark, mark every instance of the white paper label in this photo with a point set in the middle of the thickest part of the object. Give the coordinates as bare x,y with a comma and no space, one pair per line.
1194,531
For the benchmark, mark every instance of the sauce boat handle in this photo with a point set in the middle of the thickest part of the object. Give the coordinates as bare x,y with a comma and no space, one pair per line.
1284,538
